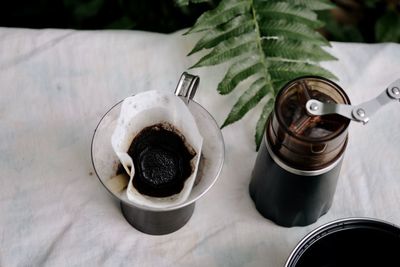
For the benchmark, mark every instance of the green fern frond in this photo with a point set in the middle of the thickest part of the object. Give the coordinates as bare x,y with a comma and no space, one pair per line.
289,70
315,4
236,27
295,49
249,99
223,13
286,30
238,72
182,3
267,41
285,10
263,119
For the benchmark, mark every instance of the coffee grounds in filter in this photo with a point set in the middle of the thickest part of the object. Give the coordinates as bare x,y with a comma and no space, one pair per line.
162,160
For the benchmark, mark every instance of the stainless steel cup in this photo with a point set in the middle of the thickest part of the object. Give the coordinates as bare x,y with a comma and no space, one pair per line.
159,221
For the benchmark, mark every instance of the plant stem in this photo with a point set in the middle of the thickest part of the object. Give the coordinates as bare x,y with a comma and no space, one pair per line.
258,40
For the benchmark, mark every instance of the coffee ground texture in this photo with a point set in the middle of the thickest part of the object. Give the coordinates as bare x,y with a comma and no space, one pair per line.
162,160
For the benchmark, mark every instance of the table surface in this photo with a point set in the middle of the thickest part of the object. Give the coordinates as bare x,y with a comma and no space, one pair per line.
56,84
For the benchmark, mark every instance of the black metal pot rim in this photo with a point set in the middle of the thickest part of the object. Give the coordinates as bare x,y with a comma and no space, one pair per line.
336,223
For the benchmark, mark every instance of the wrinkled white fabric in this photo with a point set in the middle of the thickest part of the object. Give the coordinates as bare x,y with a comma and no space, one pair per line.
55,85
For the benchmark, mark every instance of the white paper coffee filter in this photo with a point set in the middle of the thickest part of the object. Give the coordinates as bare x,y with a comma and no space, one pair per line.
146,109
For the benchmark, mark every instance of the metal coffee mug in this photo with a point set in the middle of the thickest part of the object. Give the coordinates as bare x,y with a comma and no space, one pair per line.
159,221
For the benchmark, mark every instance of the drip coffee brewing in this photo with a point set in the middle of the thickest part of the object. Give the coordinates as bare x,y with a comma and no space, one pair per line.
159,145
169,216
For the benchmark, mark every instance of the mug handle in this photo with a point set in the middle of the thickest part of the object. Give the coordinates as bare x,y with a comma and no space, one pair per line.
187,86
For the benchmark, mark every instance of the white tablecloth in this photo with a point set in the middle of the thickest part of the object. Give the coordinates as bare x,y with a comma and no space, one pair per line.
56,84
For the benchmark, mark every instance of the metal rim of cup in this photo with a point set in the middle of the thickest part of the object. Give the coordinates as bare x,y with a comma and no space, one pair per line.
184,204
305,241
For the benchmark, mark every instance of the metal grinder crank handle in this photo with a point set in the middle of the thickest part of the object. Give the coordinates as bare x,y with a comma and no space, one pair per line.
359,113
